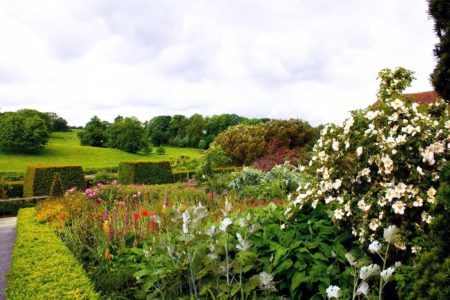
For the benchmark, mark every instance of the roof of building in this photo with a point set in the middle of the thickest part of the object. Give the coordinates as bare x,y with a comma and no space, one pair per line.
423,97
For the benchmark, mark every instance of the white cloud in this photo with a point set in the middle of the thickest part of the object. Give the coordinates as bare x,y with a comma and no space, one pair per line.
314,60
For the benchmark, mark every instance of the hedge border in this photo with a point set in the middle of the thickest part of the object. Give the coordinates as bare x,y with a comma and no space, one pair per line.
42,266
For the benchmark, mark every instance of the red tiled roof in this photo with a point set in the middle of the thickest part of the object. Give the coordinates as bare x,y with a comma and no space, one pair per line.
424,97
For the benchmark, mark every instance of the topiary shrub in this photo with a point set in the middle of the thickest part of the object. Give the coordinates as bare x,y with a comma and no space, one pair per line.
56,190
145,172
39,179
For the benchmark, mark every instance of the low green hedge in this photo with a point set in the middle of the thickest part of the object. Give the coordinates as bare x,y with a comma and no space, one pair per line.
42,266
11,189
11,208
145,172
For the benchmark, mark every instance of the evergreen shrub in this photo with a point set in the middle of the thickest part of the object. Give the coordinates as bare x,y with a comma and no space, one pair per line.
145,172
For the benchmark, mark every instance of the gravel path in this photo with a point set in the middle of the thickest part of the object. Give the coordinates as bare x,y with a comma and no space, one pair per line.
7,238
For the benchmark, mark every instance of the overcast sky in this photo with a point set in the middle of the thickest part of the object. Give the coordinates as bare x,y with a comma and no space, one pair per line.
308,59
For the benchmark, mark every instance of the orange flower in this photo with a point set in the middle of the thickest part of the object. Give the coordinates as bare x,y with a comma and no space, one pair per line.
144,213
61,217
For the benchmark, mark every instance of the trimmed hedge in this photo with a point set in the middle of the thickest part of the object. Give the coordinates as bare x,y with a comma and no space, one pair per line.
42,266
11,189
145,172
11,208
39,179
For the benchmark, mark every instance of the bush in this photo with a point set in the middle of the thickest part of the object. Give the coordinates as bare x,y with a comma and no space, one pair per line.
380,167
104,177
145,172
11,189
39,179
160,150
42,267
10,208
24,131
94,133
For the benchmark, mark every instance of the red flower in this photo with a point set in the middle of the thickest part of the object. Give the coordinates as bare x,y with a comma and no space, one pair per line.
135,216
144,213
61,217
99,200
210,195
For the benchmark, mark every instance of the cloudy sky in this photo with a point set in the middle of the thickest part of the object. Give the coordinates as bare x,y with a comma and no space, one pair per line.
309,59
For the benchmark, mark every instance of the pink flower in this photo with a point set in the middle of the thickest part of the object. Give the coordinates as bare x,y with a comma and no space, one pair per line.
135,216
99,200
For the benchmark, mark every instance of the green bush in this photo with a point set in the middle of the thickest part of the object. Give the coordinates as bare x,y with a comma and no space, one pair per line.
13,189
160,150
104,177
42,267
182,175
39,179
10,208
145,172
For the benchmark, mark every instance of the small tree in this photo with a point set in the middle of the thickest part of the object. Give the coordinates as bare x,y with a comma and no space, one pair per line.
94,133
127,134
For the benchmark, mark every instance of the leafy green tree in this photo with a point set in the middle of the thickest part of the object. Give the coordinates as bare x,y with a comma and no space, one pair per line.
55,122
158,130
242,143
177,130
127,134
24,131
94,133
439,10
195,130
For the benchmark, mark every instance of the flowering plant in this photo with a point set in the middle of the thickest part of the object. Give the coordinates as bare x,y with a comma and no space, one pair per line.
380,167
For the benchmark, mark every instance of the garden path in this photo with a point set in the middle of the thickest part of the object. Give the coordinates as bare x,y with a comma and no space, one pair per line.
7,239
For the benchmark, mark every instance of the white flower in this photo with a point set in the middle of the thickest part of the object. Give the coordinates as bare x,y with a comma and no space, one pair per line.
363,289
400,188
390,234
369,271
387,274
374,224
393,117
396,104
338,214
211,230
228,207
335,145
337,184
426,217
282,226
419,170
399,207
415,249
333,291
363,206
186,221
431,192
351,259
372,114
418,202
243,245
266,282
225,223
388,164
359,151
375,247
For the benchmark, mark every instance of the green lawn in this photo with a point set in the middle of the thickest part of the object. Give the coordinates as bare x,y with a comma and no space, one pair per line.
64,148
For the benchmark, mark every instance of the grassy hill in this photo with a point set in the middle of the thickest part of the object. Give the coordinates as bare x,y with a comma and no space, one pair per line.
64,148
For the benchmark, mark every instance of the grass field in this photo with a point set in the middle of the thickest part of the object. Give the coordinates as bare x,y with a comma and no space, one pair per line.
64,148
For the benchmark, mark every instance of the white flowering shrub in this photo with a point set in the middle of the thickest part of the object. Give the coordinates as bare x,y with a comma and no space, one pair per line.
380,167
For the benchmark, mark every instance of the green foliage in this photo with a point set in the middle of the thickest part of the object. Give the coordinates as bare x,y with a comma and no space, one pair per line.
439,10
128,135
160,150
55,122
104,177
280,181
11,189
157,130
94,133
288,133
242,143
42,266
39,179
145,172
24,131
10,208
429,278
56,189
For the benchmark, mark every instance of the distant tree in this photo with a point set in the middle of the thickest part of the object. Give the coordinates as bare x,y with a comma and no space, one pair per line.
177,131
127,134
288,133
24,131
158,130
195,130
94,133
439,10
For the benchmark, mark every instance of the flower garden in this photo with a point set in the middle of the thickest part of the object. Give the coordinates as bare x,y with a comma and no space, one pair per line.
367,218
